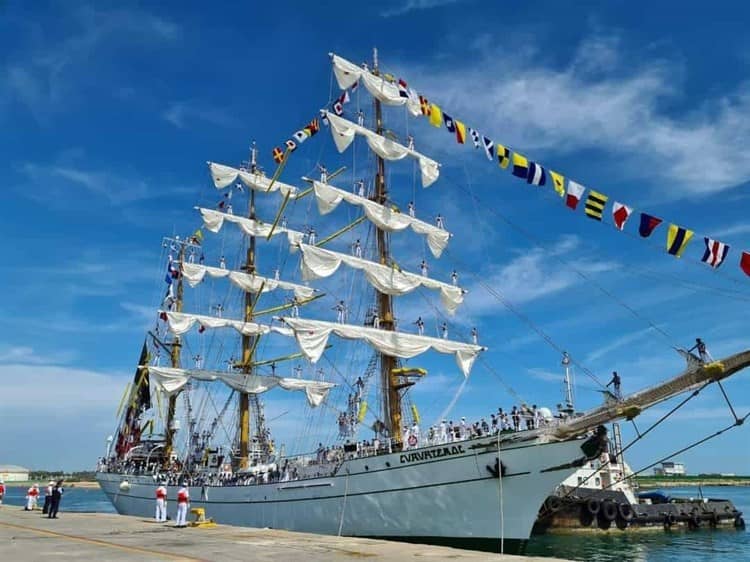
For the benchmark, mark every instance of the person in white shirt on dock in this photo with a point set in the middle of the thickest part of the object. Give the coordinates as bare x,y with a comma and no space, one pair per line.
31,496
183,502
161,504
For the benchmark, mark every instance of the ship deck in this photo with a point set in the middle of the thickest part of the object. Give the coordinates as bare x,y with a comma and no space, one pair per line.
98,536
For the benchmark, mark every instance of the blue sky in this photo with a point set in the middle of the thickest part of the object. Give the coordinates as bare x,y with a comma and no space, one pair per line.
109,112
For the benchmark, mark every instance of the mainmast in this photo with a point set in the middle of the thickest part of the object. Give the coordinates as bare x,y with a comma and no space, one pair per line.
248,342
174,356
391,396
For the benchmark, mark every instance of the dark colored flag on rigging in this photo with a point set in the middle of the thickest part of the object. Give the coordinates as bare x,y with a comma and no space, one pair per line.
745,263
648,224
537,175
449,124
489,148
716,252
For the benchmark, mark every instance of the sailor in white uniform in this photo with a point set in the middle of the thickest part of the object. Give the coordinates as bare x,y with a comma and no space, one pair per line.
424,268
183,501
420,326
439,221
357,249
411,209
444,331
340,309
161,504
474,336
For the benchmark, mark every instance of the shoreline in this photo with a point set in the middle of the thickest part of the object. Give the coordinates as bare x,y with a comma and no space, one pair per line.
682,482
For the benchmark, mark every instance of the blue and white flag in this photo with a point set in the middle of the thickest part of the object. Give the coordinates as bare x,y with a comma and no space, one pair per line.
716,252
536,174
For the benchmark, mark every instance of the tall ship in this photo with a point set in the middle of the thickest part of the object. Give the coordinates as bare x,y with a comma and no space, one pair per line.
249,304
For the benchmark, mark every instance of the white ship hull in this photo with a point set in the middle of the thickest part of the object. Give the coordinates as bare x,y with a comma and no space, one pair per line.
444,494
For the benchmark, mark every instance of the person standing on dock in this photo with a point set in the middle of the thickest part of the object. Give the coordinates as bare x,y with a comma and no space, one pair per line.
2,490
31,497
183,501
161,504
48,497
57,492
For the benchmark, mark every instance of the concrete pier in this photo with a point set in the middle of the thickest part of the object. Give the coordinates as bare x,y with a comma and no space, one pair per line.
26,536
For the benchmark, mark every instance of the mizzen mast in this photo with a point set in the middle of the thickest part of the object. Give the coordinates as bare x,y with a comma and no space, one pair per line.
391,396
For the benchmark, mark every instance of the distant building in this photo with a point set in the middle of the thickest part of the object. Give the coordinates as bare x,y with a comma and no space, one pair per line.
670,468
13,473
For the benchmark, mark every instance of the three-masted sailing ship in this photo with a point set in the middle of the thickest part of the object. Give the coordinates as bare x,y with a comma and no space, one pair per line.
193,416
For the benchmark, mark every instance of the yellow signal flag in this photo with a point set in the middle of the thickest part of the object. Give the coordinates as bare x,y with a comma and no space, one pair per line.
460,132
558,180
436,116
503,155
415,413
362,411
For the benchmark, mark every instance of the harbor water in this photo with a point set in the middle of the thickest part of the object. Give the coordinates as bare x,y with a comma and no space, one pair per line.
705,545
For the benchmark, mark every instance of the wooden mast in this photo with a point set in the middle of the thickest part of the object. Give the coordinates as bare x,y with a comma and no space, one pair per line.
391,396
248,342
174,356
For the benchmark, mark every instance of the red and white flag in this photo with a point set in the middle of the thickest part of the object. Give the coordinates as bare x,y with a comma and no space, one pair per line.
745,263
620,214
575,192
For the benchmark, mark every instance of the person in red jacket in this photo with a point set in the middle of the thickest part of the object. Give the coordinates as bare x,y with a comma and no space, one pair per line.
31,496
161,504
2,490
183,502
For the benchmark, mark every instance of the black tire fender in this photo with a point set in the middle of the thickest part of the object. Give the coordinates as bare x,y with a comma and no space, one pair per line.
670,519
625,511
593,506
553,503
609,510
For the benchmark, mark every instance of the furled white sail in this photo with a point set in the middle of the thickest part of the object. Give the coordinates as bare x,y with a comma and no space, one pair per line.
312,337
383,217
194,274
214,220
171,380
181,322
318,262
343,132
387,92
226,175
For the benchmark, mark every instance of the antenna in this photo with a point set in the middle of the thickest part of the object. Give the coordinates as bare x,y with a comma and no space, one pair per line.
568,407
253,157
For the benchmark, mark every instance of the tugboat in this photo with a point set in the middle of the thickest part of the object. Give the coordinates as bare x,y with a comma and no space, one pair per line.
603,493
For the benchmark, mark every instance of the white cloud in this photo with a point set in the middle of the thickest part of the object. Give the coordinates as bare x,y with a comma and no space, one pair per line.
180,114
44,76
414,5
57,417
602,100
607,349
528,277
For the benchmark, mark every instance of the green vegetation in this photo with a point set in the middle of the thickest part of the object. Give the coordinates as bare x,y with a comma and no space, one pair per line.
692,480
45,476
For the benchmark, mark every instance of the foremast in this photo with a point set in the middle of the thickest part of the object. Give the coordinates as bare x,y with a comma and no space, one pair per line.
391,394
174,359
